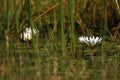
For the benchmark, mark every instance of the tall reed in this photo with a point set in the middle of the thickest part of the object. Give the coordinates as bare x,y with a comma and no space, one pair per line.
16,16
6,29
72,21
31,24
6,25
62,28
105,25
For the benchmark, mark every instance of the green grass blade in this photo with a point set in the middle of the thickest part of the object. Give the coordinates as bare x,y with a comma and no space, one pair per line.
71,15
62,27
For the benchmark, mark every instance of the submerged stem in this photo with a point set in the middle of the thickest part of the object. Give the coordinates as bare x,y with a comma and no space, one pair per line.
92,55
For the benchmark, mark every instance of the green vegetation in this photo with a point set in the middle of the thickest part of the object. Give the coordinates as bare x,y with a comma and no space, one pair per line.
56,53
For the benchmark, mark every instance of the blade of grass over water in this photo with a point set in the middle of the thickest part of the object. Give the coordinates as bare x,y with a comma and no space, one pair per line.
29,11
62,62
6,19
71,16
62,28
105,25
16,16
103,55
106,15
31,23
6,27
33,57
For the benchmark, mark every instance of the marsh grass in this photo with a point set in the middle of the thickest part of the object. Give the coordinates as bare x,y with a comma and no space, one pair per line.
56,53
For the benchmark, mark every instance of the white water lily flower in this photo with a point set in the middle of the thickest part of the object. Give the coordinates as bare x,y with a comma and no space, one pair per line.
90,41
29,30
81,39
26,35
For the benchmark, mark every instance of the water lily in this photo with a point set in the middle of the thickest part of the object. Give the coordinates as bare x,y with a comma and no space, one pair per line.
29,30
26,35
92,42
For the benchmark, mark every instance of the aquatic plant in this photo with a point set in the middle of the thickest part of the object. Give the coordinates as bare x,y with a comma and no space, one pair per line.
26,35
92,42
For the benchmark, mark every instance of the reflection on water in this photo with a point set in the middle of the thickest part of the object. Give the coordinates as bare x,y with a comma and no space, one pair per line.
47,63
